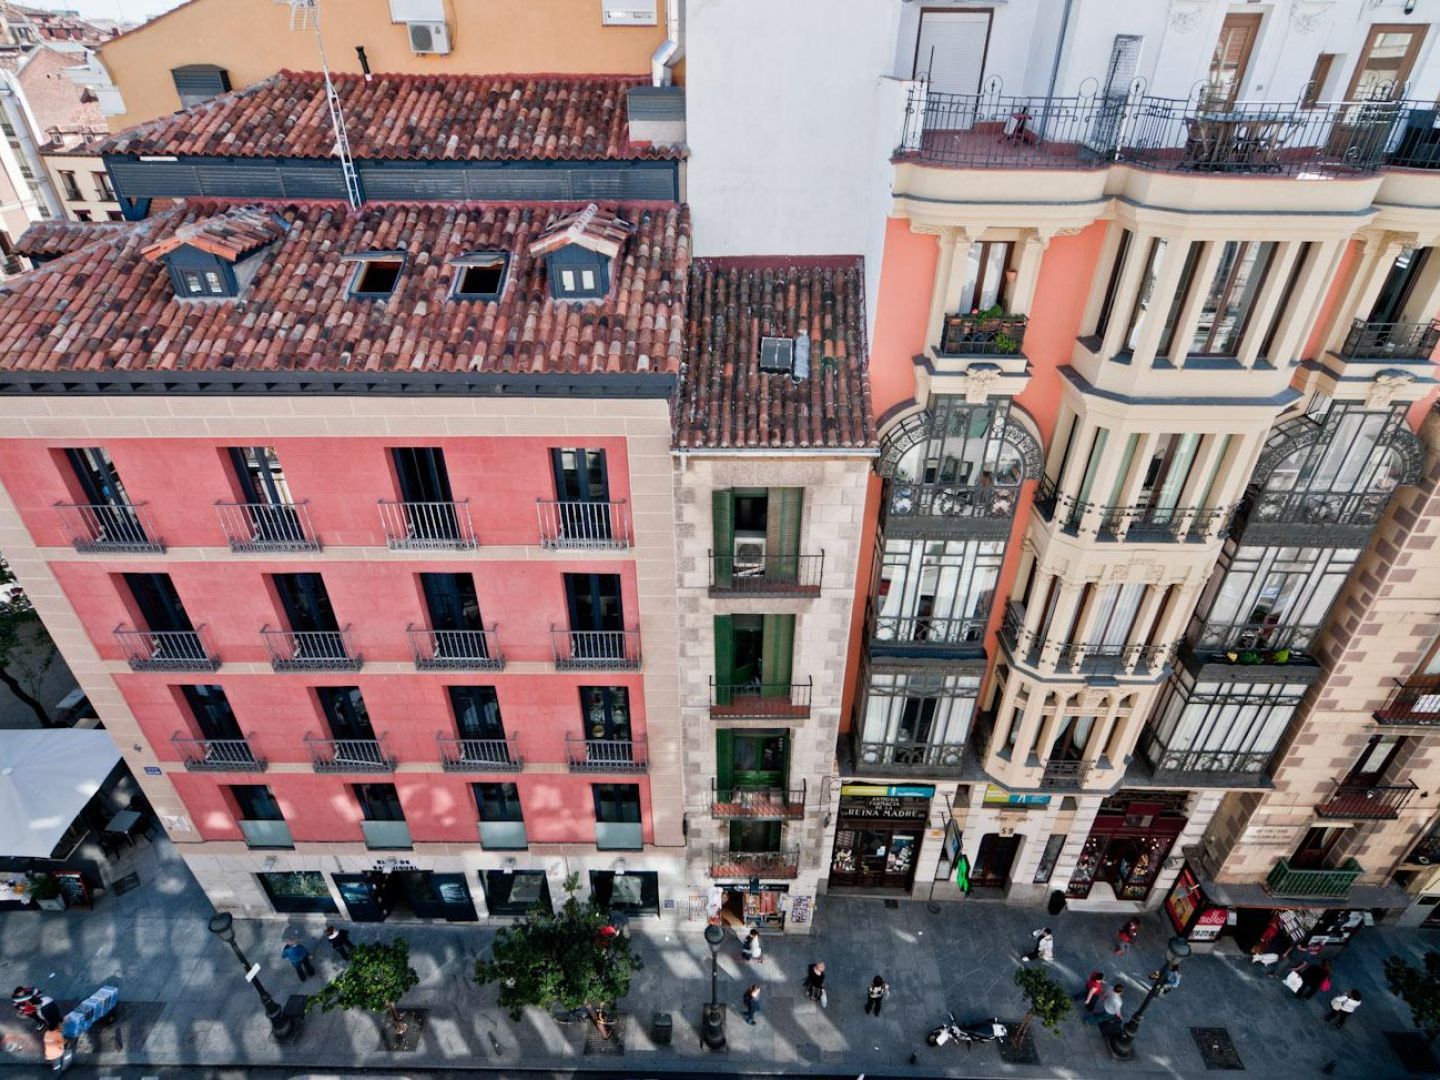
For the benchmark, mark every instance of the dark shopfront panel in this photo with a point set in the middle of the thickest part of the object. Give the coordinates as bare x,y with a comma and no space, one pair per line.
878,835
635,892
515,892
1198,917
298,892
1129,843
421,894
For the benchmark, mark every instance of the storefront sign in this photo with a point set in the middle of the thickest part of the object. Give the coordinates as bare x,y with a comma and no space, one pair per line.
884,806
1208,926
998,796
1269,835
892,790
389,866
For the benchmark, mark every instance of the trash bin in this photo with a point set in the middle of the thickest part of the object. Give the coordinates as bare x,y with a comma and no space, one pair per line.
662,1027
1057,902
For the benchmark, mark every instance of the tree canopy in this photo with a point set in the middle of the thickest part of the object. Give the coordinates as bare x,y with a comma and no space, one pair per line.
1045,1000
1420,988
375,978
23,658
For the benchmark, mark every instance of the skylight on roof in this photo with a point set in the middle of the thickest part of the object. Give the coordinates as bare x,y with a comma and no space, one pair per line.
480,276
777,355
377,277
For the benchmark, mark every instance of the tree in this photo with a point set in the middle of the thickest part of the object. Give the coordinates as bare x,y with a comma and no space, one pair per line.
572,958
18,627
375,979
1045,1001
1420,988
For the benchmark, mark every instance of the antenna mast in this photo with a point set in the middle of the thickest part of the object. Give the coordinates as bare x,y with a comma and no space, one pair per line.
305,15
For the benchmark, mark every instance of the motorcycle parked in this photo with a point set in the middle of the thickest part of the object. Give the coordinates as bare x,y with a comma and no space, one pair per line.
979,1031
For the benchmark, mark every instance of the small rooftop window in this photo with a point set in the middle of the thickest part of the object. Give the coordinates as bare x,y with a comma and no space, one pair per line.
204,283
777,355
377,277
480,276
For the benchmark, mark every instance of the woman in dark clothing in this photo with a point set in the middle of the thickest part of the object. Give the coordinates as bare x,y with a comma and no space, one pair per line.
1314,979
815,980
875,996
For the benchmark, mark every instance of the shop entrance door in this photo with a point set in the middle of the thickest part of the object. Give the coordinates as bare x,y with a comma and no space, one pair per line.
364,895
993,861
431,896
875,857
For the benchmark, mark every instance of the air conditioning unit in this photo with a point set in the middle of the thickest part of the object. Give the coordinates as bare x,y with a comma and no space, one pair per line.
749,556
431,38
628,13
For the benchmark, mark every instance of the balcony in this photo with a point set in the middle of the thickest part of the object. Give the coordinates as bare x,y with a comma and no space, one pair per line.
983,333
1338,517
1390,341
1414,703
109,527
251,527
1380,802
166,650
427,526
999,131
1157,525
349,755
479,755
1221,768
455,650
311,650
942,510
606,755
595,650
619,836
924,636
747,864
766,575
920,758
1427,851
584,525
266,834
386,835
1256,643
760,701
1070,659
218,755
1065,774
757,803
1292,882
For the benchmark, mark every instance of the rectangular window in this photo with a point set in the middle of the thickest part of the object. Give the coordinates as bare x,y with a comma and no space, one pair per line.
257,471
1231,60
211,712
1145,298
345,713
160,608
102,186
636,892
617,817
379,802
1112,286
480,277
477,712
1292,282
256,802
1049,858
377,277
605,713
1385,62
1319,77
306,604
1225,312
1177,302
83,215
298,892
72,189
498,802
936,592
515,892
987,263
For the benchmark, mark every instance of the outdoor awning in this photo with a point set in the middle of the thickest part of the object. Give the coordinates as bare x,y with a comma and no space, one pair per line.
46,778
1359,897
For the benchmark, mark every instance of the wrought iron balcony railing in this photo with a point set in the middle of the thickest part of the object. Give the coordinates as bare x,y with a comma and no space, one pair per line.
109,527
767,575
1242,766
950,502
167,650
311,650
758,803
595,650
566,524
1377,802
267,526
427,526
218,755
1414,702
1079,658
1427,851
760,701
1393,340
747,864
1065,774
456,650
479,755
349,755
981,334
606,755
1304,884
928,758
921,634
1315,508
1152,524
1255,642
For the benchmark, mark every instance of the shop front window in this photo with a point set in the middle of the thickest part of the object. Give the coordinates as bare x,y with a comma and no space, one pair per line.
298,892
515,892
635,892
1128,844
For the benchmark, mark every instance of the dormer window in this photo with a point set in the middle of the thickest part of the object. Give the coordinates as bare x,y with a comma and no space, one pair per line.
216,258
377,277
578,274
580,251
203,283
480,275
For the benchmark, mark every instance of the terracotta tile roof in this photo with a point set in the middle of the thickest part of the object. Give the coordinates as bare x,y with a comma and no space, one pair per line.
590,228
231,234
51,238
104,306
725,400
404,117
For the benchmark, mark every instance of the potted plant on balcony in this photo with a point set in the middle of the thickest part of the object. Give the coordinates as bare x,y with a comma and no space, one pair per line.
45,891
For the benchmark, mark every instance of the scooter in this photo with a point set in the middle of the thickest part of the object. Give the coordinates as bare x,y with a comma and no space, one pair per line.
980,1031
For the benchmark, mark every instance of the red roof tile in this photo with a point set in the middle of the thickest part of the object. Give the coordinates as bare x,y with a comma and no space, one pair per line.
104,306
51,238
725,400
403,117
590,228
231,235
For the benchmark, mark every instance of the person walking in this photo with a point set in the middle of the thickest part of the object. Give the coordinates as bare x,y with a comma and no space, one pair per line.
751,999
1044,946
750,948
299,958
1094,989
815,981
1314,979
875,996
1341,1007
1126,936
1171,979
339,939
1112,1007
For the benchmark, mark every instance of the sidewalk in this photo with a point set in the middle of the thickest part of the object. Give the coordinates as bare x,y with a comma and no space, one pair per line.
185,1002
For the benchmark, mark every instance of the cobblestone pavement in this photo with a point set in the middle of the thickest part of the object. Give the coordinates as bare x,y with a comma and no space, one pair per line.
185,1002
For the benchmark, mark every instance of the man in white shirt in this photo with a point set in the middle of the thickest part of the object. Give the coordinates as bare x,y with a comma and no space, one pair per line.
1341,1007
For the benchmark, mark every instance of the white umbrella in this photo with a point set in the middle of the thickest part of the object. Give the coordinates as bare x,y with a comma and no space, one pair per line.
46,778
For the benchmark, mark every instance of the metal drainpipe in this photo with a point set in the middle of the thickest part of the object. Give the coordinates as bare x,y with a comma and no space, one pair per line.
664,57
1055,67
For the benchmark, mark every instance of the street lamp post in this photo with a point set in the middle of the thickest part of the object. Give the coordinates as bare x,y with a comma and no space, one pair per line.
282,1027
1122,1042
713,1030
